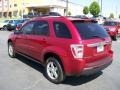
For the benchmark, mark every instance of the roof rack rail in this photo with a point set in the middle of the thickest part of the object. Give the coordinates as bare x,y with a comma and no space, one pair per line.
81,16
54,14
48,14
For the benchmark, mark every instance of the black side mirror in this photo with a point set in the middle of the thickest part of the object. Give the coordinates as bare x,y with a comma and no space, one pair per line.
18,26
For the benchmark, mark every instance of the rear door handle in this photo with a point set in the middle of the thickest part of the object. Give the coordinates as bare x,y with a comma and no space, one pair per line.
44,40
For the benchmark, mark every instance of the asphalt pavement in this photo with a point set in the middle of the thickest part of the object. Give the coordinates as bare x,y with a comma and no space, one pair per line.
23,74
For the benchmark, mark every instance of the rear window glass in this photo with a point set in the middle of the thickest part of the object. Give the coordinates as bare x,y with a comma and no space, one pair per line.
110,23
18,21
6,21
90,30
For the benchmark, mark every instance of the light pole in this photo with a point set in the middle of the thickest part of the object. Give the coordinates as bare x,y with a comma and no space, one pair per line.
8,5
2,8
66,7
22,10
116,11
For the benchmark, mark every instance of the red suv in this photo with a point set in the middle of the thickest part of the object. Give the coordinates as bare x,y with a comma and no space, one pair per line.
113,28
64,46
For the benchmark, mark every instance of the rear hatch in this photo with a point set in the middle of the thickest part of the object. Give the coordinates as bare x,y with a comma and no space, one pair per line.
95,39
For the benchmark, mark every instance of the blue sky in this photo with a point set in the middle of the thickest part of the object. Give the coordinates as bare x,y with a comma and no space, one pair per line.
109,6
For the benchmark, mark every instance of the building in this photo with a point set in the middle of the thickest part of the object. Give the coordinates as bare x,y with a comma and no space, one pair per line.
3,7
10,8
75,9
45,6
17,8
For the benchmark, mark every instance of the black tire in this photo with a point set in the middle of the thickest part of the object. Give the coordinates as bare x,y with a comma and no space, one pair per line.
5,27
114,38
118,37
11,51
59,71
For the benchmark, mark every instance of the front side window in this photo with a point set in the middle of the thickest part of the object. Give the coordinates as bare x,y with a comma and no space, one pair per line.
41,28
61,30
27,29
6,21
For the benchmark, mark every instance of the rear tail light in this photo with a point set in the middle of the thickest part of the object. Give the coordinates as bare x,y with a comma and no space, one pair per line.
77,50
112,29
118,31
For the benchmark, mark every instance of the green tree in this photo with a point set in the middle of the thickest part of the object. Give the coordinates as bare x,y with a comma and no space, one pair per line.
94,8
119,16
111,15
85,10
69,13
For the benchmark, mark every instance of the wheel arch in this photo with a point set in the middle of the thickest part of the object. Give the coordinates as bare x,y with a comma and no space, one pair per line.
9,40
52,54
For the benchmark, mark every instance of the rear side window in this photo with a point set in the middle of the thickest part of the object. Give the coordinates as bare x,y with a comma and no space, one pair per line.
61,30
89,30
6,21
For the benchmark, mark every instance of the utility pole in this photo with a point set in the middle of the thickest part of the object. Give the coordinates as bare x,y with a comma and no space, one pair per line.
2,8
8,6
101,6
22,10
116,11
98,1
67,7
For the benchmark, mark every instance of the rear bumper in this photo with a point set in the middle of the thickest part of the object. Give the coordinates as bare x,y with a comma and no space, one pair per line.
80,67
1,27
94,69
